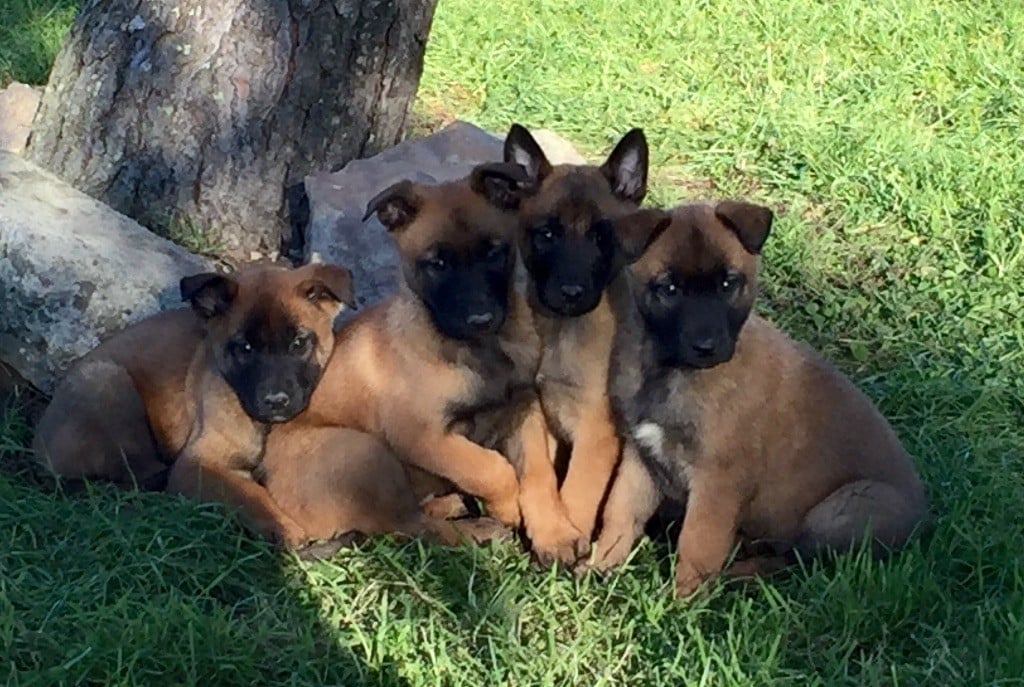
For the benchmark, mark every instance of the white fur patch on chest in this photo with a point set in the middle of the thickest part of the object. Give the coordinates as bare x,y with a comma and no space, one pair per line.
651,437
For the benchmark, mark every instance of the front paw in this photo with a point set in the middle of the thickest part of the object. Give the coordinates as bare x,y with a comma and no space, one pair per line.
561,543
610,551
505,510
287,535
689,581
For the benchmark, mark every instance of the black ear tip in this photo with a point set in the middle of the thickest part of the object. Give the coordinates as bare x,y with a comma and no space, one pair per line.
517,129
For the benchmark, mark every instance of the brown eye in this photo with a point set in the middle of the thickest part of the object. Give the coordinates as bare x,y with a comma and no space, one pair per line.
300,342
730,283
240,348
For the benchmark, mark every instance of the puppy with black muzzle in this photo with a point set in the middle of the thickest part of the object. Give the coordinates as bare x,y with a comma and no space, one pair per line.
443,372
200,385
579,225
765,440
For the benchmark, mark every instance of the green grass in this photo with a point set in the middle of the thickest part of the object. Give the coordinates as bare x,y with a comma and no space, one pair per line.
30,35
890,137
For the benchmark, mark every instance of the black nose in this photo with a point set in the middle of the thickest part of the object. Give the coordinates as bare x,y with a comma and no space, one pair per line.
480,320
704,347
572,292
278,400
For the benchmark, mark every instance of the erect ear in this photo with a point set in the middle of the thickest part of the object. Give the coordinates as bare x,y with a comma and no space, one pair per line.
523,149
751,223
328,282
210,294
503,184
396,206
638,230
626,167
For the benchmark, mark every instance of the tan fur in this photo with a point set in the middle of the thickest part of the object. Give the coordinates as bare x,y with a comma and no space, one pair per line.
785,449
573,375
396,378
336,481
149,401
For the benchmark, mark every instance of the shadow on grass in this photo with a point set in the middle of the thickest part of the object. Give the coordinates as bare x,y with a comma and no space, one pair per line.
107,587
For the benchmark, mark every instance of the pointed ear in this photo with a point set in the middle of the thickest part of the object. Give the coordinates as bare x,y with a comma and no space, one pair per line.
626,167
503,184
638,230
396,206
523,149
328,283
751,223
210,294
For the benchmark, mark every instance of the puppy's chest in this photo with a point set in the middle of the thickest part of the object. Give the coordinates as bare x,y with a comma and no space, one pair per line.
666,431
497,393
573,369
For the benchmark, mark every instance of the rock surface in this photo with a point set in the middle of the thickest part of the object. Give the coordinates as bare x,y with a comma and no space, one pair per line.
337,200
18,106
73,271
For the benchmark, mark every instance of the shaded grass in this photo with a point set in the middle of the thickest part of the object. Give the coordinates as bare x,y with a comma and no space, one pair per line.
888,136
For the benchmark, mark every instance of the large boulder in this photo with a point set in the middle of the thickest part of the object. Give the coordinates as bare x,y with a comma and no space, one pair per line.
337,200
73,271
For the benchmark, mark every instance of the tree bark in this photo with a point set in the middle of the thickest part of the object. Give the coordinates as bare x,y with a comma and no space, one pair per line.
201,114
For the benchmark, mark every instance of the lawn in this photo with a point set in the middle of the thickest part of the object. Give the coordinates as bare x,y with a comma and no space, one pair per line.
889,136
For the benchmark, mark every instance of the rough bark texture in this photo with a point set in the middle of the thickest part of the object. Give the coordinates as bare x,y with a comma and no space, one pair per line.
207,112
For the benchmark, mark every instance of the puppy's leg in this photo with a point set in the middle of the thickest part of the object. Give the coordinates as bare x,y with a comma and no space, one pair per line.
96,427
633,499
471,467
709,532
212,481
552,535
595,452
845,516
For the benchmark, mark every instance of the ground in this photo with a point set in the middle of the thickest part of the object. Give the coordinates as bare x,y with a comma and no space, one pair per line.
887,135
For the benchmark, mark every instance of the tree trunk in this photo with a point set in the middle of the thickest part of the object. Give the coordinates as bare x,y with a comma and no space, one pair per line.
197,116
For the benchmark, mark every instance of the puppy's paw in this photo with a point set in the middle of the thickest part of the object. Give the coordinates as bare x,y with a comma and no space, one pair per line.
483,530
559,542
447,507
506,510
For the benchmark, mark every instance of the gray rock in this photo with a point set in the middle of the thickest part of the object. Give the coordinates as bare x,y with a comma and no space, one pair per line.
18,106
73,271
337,200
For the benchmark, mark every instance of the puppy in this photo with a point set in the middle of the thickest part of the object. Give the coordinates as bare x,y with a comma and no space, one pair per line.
767,440
579,225
442,373
183,398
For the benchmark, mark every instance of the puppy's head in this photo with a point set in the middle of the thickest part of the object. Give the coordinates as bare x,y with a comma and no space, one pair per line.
567,236
696,284
271,331
455,241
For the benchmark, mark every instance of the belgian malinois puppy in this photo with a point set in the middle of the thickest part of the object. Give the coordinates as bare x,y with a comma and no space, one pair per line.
148,404
579,225
443,372
192,392
766,440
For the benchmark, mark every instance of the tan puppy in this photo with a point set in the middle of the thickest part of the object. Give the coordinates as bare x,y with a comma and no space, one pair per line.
200,385
443,372
767,440
579,226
